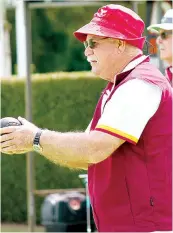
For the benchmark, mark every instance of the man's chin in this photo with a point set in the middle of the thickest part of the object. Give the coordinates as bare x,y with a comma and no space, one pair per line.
94,71
164,57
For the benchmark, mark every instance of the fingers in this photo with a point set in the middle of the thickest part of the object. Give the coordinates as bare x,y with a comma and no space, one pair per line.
9,153
22,120
10,149
9,129
6,144
17,139
6,137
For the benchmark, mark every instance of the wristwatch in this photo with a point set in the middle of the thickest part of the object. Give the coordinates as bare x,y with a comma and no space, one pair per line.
36,143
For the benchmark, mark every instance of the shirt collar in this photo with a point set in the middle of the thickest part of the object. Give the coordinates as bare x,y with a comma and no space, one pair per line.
130,66
171,69
134,62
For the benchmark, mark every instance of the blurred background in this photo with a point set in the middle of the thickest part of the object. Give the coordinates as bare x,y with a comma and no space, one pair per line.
42,70
54,47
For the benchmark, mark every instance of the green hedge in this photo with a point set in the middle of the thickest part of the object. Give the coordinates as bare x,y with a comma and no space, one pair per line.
60,102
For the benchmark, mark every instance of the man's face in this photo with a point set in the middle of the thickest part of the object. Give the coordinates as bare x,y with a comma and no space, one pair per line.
164,42
99,52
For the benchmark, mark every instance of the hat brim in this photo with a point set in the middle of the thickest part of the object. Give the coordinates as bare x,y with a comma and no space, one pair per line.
157,27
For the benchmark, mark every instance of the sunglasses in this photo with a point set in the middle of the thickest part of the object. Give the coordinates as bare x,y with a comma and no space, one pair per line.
91,43
164,35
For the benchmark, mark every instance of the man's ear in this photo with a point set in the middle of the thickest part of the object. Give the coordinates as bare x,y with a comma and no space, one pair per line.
121,46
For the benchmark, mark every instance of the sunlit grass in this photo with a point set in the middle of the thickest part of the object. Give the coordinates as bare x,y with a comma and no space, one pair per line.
19,228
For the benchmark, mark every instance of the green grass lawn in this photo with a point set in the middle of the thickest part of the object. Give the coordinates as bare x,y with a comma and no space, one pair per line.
19,228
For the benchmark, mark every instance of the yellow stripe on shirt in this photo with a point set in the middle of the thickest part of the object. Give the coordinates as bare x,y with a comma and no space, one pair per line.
116,131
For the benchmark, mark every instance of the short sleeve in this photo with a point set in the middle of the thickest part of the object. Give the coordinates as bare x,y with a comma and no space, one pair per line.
130,108
88,127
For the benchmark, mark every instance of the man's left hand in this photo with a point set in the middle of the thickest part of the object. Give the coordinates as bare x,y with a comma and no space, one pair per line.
18,139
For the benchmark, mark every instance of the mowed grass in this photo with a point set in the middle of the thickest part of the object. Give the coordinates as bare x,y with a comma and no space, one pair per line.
19,228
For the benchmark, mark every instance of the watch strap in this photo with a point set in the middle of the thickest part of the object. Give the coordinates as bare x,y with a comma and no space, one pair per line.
37,137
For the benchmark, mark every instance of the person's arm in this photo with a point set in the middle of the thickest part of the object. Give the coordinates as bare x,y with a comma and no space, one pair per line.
129,110
73,165
75,150
78,149
124,119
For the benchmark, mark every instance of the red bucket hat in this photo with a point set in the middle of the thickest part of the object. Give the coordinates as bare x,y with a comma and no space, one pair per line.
115,21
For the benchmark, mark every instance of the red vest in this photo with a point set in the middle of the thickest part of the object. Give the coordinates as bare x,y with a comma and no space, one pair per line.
169,75
131,190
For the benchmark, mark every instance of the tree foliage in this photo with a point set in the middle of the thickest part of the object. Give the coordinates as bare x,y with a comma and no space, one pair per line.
54,48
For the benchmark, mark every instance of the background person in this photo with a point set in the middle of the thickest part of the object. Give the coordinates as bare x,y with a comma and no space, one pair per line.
165,41
127,147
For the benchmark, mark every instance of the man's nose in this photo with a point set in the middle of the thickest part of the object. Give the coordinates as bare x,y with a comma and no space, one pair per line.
159,40
88,51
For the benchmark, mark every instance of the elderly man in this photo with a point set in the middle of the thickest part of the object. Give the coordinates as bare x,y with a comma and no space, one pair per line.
164,41
127,146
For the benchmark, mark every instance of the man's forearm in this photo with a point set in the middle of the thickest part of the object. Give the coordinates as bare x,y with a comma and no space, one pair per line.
78,149
67,149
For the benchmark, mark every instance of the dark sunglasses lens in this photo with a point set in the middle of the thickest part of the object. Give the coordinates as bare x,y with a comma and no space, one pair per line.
163,35
91,44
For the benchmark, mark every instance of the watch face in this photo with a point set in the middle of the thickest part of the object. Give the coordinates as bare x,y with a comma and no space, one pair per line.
37,148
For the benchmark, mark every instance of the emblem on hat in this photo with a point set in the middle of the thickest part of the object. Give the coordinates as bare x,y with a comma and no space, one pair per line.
101,13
